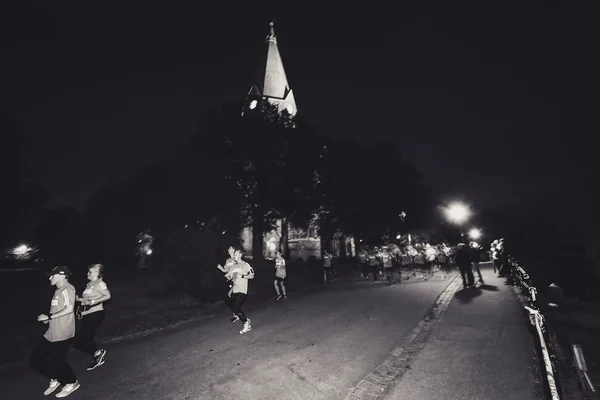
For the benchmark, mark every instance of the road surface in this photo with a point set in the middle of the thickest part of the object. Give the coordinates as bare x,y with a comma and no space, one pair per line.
318,344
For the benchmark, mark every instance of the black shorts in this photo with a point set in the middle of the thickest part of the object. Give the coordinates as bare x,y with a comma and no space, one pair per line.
279,279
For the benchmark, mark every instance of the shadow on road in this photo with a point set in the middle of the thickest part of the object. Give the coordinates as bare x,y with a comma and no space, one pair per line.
468,294
491,288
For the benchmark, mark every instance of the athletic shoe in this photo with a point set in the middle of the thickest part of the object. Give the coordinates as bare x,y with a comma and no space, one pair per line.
285,297
52,387
99,359
68,389
279,297
234,318
247,327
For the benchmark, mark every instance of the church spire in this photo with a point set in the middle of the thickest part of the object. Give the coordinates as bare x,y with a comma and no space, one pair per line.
271,83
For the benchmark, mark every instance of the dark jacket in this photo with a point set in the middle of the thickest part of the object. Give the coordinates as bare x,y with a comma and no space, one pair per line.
463,257
476,254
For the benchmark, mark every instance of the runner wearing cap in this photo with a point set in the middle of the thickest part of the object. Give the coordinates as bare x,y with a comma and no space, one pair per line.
91,313
49,357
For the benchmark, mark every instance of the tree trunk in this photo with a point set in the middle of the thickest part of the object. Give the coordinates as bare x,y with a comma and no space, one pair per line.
283,242
257,233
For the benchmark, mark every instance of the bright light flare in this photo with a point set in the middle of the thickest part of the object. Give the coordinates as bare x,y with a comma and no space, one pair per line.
149,251
21,250
457,213
475,233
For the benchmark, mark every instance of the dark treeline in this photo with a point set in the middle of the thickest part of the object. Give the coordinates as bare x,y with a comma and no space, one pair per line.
250,170
236,171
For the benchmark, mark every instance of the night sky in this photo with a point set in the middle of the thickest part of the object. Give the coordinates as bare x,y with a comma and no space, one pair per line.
493,106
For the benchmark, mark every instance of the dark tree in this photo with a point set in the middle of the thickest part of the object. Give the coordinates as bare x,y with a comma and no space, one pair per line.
267,155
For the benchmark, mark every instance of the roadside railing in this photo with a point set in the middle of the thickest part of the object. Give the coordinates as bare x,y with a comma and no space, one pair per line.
536,318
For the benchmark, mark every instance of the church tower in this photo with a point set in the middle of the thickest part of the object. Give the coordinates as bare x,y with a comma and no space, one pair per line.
271,83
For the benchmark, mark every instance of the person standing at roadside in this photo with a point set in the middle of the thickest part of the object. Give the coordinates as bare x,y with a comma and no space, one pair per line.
463,260
475,259
91,313
49,357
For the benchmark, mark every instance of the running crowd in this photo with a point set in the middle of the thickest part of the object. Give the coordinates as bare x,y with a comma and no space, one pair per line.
49,356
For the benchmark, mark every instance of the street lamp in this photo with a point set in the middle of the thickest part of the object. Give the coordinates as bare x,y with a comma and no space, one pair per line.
458,213
475,233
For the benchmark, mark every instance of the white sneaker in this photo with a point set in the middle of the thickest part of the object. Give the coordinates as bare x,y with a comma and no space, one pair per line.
247,327
52,387
68,389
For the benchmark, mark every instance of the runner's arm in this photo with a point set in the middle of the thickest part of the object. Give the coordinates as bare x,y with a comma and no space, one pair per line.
249,275
104,296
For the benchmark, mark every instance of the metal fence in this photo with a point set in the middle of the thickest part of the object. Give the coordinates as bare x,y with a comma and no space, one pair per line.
523,281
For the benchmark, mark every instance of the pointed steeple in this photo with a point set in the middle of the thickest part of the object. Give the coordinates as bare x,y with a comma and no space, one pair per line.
271,83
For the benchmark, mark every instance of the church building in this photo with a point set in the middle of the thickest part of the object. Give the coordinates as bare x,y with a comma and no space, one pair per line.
272,85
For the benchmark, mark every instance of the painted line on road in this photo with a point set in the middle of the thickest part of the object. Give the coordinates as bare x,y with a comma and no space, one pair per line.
378,383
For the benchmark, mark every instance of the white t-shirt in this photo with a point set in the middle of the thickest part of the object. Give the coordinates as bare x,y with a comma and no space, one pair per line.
61,328
240,285
92,291
280,271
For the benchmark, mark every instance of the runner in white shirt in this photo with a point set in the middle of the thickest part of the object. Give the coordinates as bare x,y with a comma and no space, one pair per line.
280,275
91,313
240,273
49,357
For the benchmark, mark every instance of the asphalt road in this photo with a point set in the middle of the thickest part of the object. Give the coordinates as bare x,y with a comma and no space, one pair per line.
317,344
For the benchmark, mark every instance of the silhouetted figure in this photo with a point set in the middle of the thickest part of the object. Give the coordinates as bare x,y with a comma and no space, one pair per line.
463,260
475,259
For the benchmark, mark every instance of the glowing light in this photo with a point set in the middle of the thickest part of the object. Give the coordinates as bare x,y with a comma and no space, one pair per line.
21,250
475,233
149,251
253,104
457,213
223,232
398,237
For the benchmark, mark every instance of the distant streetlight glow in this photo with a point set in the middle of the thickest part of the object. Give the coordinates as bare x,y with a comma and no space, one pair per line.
457,213
475,233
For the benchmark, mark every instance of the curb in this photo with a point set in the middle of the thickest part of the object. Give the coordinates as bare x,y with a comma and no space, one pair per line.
378,384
